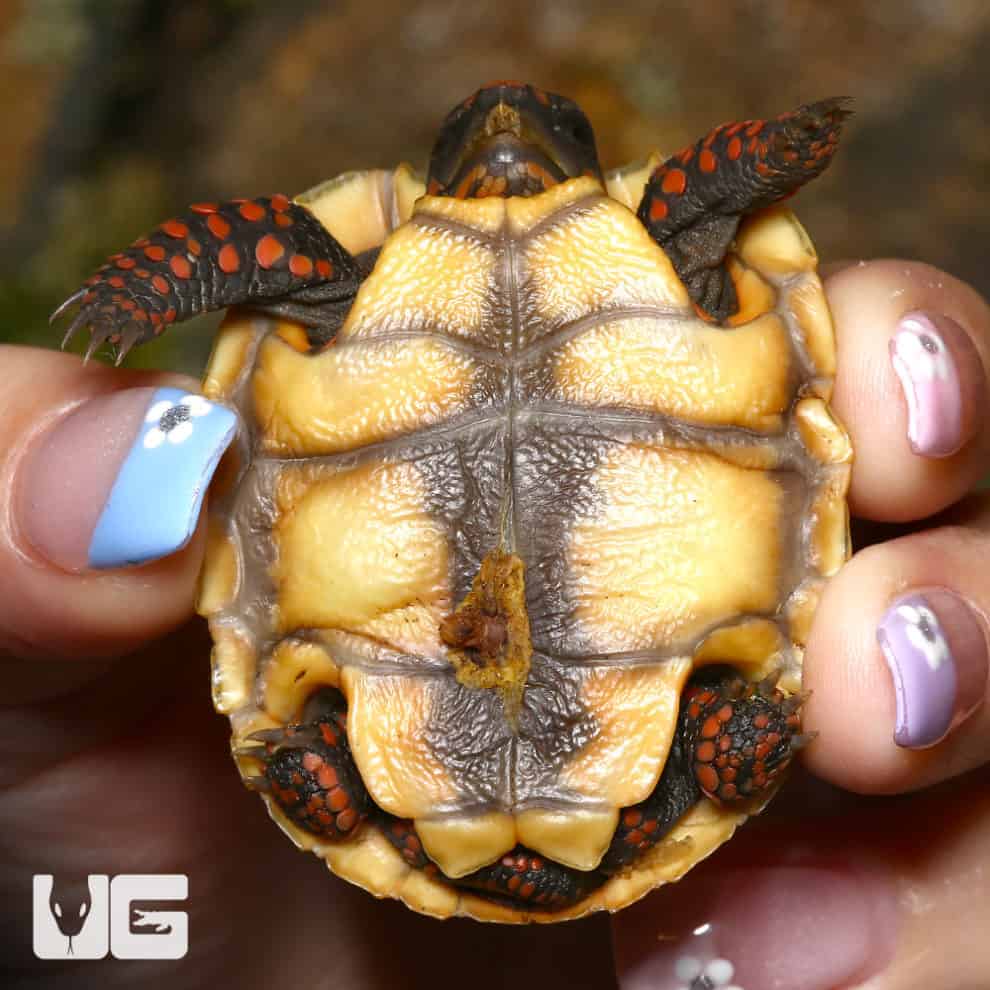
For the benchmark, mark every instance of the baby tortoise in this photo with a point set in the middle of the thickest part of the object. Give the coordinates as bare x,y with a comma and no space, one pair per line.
535,491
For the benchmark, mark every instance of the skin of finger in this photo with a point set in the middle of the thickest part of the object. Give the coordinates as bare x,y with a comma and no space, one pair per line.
132,774
889,481
852,704
931,846
44,611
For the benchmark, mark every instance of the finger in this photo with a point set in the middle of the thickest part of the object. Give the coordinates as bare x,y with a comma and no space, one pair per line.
913,348
85,489
897,661
842,893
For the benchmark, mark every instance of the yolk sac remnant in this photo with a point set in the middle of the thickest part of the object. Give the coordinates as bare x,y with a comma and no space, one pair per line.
488,633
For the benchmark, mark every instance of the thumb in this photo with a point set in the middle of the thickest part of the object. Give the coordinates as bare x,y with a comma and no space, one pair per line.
91,485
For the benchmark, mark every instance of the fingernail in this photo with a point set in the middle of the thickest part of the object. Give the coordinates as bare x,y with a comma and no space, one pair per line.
778,928
936,650
121,479
929,377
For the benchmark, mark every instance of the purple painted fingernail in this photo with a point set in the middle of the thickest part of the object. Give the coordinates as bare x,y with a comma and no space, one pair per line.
936,650
930,380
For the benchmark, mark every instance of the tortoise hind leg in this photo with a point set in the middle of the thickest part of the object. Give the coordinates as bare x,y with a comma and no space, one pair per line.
693,202
740,737
310,772
255,252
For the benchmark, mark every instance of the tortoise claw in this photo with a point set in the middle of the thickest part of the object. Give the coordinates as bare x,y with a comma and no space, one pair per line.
790,705
801,740
767,687
295,736
256,782
68,304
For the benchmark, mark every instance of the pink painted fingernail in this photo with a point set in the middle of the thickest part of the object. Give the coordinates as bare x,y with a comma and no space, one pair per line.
786,927
930,379
936,650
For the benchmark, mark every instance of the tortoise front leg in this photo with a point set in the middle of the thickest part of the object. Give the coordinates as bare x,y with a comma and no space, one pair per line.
694,201
261,251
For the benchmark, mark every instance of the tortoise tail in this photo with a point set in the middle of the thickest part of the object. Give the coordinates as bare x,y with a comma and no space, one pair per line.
255,251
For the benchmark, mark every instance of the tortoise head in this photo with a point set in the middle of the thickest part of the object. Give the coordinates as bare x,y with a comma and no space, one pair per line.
511,139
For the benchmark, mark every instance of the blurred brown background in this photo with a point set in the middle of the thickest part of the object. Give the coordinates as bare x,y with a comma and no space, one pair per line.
117,113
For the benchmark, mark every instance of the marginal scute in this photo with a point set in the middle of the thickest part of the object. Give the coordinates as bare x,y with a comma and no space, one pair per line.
356,394
800,609
830,540
576,838
353,208
322,568
755,295
807,302
229,361
627,184
635,711
220,575
232,667
774,243
821,433
686,576
408,187
295,670
749,644
294,335
684,369
462,845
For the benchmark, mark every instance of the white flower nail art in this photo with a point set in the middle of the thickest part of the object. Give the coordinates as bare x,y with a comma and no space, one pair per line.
716,974
925,634
923,354
174,419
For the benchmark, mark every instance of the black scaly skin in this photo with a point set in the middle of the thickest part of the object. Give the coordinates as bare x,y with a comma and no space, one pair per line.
694,201
525,879
268,253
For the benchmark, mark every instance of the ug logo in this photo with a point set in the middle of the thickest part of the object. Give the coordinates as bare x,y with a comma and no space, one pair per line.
70,923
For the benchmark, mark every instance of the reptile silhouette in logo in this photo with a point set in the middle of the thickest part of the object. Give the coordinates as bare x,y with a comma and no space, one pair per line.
159,921
87,919
69,904
71,916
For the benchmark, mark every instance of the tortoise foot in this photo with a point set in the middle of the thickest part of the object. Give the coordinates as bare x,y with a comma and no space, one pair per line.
311,774
693,202
258,252
741,737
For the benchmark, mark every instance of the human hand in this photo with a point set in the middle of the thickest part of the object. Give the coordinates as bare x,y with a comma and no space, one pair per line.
831,889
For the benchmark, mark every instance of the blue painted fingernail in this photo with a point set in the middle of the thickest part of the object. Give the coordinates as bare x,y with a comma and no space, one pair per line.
936,651
156,497
120,479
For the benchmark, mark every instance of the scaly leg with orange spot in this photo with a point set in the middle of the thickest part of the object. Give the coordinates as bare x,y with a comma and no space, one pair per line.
268,253
694,201
310,772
